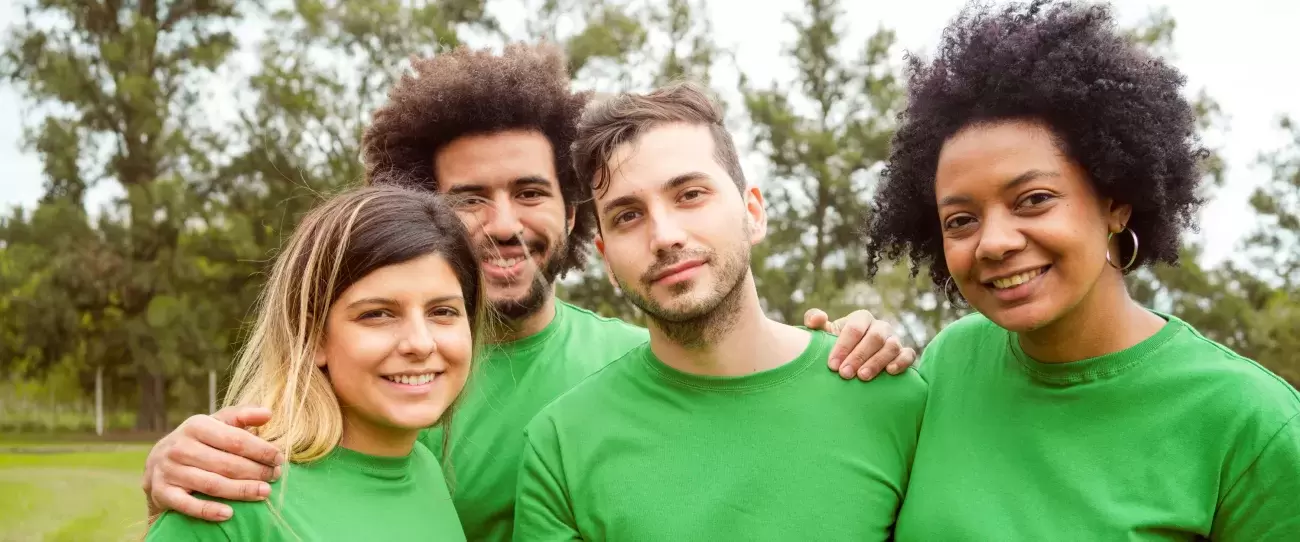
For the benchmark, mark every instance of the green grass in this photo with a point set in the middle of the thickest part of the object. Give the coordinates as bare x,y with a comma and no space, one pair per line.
70,489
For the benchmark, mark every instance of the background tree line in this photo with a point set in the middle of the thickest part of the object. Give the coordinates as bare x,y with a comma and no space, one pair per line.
144,302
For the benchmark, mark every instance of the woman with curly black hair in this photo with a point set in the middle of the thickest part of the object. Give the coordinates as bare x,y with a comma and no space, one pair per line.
1042,157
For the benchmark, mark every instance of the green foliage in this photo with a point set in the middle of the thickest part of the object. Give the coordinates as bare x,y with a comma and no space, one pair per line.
156,289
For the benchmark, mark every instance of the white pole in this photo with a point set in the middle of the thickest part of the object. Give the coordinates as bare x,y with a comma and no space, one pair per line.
212,391
99,401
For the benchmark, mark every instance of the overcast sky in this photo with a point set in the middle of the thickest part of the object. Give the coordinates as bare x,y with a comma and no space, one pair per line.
1244,56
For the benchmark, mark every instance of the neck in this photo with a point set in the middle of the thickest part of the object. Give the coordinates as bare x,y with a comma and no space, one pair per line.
1107,320
505,331
736,339
368,439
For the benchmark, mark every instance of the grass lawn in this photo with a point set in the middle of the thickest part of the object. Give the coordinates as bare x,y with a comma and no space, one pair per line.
70,489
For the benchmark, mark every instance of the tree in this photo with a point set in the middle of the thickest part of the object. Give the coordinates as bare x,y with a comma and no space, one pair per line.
825,138
120,81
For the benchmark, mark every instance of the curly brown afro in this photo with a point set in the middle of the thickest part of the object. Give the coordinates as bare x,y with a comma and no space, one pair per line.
473,92
1116,111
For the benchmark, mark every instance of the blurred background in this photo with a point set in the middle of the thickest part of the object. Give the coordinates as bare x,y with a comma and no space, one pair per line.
154,154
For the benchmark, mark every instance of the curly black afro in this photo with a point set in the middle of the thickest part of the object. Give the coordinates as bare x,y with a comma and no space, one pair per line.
469,92
1116,111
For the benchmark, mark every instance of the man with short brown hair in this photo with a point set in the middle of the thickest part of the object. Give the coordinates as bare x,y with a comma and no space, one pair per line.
717,428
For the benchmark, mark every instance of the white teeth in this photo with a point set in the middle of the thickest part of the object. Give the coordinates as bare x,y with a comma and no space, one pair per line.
1016,280
505,262
412,380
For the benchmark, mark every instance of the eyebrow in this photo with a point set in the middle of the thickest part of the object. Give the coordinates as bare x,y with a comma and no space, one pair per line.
390,301
675,182
1014,182
530,180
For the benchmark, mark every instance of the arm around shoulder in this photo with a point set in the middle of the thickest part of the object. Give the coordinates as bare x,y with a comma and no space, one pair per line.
543,511
1260,506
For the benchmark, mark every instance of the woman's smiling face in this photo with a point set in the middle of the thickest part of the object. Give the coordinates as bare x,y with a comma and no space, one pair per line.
1024,230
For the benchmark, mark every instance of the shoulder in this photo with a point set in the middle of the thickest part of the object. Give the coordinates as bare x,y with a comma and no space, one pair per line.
249,519
584,319
1241,385
959,341
588,397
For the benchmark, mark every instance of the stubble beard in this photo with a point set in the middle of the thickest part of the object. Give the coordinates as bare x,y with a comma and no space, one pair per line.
709,319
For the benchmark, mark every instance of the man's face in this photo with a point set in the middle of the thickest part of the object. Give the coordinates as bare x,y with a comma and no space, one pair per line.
675,231
514,211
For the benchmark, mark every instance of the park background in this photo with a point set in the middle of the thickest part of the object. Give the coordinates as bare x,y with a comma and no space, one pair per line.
154,154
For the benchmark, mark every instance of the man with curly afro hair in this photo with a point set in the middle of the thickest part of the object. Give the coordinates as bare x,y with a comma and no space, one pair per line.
1041,157
493,132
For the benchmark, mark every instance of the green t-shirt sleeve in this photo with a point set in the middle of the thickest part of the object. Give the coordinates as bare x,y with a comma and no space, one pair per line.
542,509
1261,505
175,526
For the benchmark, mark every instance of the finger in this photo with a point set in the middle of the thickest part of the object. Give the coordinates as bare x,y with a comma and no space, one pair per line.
244,417
815,319
848,340
905,359
872,339
175,498
214,485
877,362
204,457
232,440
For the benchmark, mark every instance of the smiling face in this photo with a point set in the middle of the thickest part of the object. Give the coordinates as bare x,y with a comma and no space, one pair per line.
1024,231
514,212
675,231
397,348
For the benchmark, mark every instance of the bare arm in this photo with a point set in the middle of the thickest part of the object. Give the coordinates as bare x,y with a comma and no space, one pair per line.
213,455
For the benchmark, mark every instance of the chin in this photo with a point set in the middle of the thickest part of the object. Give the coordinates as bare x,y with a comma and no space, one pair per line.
1021,319
416,418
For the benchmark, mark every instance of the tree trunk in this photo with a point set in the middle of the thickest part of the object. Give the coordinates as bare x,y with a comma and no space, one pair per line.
99,401
152,415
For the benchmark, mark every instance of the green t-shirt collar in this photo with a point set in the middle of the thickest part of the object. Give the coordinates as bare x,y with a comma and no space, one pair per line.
381,467
1100,367
817,350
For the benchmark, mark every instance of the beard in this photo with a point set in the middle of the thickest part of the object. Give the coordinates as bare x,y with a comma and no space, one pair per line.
513,310
704,321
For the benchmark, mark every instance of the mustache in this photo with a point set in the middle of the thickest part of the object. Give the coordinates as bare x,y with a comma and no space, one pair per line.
533,246
666,260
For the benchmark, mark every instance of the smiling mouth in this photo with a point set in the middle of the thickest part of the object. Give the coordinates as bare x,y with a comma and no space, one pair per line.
412,380
1017,279
504,263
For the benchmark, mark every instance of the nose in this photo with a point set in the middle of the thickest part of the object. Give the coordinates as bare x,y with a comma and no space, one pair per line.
502,222
999,238
666,235
417,341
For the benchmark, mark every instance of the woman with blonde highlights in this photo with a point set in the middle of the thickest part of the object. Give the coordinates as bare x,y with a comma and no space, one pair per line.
364,337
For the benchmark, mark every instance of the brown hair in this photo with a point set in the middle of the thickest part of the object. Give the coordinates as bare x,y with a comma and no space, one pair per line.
474,92
624,117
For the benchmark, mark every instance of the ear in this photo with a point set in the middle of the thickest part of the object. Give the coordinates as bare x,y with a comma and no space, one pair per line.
1117,215
320,357
569,220
755,215
609,273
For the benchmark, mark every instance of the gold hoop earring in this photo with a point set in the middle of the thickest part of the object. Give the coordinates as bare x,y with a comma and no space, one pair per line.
1132,259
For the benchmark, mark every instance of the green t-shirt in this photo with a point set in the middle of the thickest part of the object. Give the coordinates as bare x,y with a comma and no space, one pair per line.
511,385
1176,438
346,495
641,451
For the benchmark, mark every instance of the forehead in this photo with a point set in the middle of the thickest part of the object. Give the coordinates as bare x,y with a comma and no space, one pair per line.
987,155
659,154
495,160
423,277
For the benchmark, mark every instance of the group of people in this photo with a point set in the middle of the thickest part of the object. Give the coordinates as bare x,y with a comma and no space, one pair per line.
412,376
